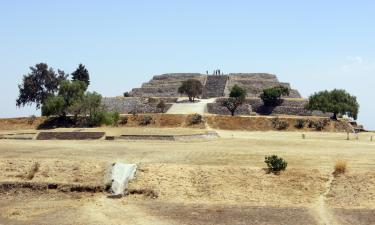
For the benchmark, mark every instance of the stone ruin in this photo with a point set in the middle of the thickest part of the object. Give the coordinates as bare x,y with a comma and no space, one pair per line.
166,85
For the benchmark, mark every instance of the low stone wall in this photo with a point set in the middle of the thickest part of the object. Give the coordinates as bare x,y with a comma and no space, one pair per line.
70,135
216,108
139,105
265,123
288,107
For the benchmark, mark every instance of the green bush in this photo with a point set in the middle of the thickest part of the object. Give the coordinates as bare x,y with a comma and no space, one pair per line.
126,94
146,120
300,123
275,164
196,119
280,124
103,118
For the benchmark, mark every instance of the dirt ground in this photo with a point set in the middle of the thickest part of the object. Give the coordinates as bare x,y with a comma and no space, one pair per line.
213,181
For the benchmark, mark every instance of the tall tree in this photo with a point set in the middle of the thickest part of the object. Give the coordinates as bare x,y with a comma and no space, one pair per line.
192,88
236,98
40,83
337,101
81,74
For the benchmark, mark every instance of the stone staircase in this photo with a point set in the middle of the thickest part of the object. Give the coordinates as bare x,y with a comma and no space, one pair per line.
215,86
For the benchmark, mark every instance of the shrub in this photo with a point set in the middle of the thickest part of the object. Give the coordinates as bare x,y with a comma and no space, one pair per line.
146,120
31,119
116,118
300,123
126,94
196,119
340,167
280,124
103,118
275,164
161,106
318,125
124,120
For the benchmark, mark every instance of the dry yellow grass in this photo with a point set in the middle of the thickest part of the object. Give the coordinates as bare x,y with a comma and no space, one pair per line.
340,167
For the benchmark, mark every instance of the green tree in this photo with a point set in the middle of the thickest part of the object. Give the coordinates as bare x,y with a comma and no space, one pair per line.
236,98
38,85
337,101
68,100
192,88
81,74
272,96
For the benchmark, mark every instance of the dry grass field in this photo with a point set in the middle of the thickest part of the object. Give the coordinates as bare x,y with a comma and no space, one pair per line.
205,181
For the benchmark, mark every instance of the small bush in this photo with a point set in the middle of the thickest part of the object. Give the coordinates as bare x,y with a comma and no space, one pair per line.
103,118
196,119
31,119
275,164
116,118
318,125
161,106
145,121
300,123
126,94
124,120
280,124
340,167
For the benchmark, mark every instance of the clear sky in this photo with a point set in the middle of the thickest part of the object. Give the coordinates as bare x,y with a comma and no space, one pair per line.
314,45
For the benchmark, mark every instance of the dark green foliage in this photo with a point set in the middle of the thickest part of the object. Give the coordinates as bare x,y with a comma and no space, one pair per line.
275,164
236,98
161,106
81,74
196,119
146,120
300,123
38,85
192,88
272,96
68,100
126,94
237,92
279,124
336,101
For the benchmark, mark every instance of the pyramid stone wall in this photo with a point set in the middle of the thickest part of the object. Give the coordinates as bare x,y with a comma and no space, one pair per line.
166,85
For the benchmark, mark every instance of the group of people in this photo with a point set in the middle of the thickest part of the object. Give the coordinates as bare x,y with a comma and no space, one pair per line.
216,72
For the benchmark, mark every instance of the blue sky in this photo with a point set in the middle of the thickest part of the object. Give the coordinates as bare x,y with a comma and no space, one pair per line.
314,45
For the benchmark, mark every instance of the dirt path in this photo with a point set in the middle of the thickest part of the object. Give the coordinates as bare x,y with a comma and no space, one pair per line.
323,212
182,107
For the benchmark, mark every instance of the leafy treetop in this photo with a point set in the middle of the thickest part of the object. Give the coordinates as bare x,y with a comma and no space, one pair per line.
337,101
236,98
40,83
192,88
272,96
81,74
